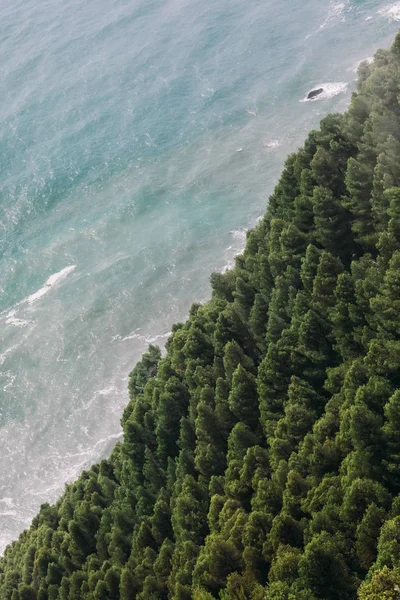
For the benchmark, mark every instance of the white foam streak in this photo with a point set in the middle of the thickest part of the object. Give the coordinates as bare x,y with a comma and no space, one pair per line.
52,280
4,355
135,335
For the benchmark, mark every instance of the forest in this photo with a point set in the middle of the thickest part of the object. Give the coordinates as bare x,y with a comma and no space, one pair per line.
261,451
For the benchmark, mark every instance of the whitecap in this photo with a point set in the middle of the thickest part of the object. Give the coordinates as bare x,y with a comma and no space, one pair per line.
330,90
239,234
11,378
272,144
11,320
336,10
9,315
4,355
52,280
392,11
33,297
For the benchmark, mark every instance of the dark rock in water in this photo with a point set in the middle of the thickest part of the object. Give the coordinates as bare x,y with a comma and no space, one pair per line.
315,93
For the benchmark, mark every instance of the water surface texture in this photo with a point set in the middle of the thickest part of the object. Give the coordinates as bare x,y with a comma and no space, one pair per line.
139,139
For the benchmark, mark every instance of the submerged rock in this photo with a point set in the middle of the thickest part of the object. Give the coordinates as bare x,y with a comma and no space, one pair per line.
314,93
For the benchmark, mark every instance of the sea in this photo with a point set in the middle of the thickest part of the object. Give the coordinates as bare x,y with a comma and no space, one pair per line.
139,141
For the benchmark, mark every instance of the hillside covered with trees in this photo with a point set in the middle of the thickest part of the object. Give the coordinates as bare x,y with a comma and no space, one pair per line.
261,455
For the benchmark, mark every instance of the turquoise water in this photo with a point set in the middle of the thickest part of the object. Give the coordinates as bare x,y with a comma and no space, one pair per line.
138,141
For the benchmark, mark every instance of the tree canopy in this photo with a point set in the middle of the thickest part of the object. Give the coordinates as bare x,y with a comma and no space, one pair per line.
261,454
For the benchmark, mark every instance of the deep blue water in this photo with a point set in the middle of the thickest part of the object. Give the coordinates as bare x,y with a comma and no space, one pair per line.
139,139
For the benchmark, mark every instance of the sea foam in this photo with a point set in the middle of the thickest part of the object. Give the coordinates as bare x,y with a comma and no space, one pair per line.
392,11
336,10
330,90
335,14
52,280
11,320
149,339
272,144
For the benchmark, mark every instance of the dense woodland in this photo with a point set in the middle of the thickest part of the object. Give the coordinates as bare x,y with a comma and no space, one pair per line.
261,454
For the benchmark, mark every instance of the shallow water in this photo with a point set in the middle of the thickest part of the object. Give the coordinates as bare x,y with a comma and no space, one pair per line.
139,141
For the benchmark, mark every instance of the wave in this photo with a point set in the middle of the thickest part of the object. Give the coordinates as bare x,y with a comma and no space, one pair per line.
330,90
392,11
272,144
10,378
52,280
336,10
12,320
135,335
4,355
335,13
9,317
240,236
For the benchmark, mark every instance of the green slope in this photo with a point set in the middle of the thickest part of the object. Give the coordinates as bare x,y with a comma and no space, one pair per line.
261,456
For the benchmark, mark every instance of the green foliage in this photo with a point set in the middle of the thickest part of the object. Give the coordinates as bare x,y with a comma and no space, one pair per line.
144,370
384,585
260,457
